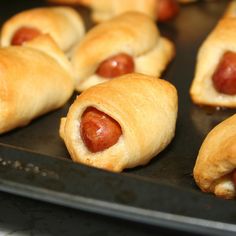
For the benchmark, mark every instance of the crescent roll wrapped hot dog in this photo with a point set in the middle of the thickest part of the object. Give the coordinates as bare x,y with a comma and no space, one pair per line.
214,83
107,9
215,168
128,43
108,126
64,25
104,10
34,80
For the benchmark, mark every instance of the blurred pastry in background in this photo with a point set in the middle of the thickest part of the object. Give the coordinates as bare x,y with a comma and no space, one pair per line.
193,1
102,10
66,2
214,83
108,125
167,10
127,43
215,167
64,24
231,9
187,1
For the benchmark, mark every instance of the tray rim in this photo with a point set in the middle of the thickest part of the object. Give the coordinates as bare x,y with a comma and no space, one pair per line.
92,204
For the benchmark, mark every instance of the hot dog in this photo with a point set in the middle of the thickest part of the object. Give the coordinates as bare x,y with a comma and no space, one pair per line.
98,130
127,43
24,34
224,78
214,82
119,115
63,24
115,66
234,177
167,10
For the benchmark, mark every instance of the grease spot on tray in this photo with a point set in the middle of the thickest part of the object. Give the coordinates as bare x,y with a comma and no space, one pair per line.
29,167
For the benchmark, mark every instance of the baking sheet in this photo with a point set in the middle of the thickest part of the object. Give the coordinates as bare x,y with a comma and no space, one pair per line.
35,163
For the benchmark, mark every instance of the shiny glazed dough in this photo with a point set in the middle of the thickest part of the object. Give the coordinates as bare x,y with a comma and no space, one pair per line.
133,33
33,82
64,25
144,106
217,159
220,40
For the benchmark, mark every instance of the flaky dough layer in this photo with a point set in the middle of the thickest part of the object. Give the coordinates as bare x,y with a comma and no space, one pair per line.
146,109
133,33
217,159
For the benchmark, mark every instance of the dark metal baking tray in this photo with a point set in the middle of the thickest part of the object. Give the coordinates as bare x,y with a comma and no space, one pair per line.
35,163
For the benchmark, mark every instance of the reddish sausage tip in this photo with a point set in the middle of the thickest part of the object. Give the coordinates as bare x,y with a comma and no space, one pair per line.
24,34
115,66
167,10
224,78
234,177
98,130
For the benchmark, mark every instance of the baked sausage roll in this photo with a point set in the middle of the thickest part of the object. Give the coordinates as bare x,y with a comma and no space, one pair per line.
64,25
128,43
33,82
215,166
108,126
103,10
214,83
161,10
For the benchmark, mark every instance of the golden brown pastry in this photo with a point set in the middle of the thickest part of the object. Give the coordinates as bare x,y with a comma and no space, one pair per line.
215,166
103,10
64,25
34,80
231,9
128,43
108,126
214,83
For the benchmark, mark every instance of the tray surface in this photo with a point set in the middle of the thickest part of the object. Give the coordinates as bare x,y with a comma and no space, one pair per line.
35,163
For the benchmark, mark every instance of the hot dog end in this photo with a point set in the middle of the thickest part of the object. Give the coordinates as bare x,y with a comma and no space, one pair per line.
224,78
98,130
117,65
24,34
